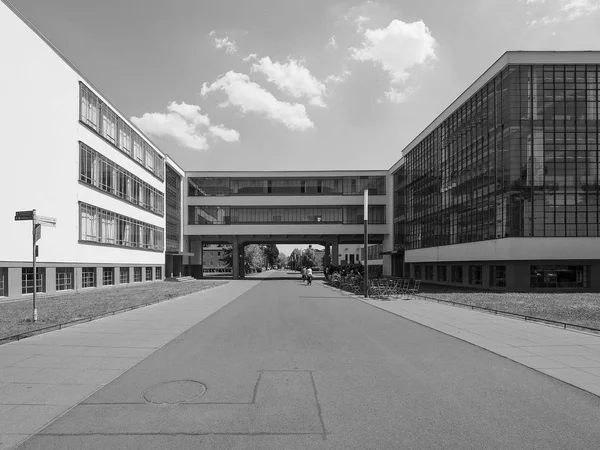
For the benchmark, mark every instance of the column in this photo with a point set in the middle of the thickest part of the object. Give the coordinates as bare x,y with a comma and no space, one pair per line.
335,249
196,260
235,259
327,255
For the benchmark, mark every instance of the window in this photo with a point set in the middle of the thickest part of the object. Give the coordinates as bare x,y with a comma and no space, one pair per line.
108,276
158,273
417,272
148,273
124,137
475,275
109,123
3,282
64,278
561,277
89,107
137,274
88,277
138,147
123,275
27,280
441,273
457,274
429,273
498,276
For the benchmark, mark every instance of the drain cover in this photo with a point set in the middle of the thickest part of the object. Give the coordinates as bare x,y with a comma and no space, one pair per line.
173,392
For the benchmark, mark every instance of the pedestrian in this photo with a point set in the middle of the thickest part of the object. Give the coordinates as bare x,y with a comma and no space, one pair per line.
303,273
309,276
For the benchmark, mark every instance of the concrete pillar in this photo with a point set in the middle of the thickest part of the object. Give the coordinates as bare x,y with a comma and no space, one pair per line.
235,259
196,260
50,280
98,276
15,286
327,257
335,249
117,276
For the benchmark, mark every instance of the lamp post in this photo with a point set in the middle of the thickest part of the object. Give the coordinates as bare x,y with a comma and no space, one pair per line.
366,219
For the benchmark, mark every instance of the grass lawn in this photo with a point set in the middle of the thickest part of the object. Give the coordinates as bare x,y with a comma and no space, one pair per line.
577,308
15,317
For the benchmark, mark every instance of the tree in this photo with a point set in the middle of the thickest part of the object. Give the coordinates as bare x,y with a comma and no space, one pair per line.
227,257
309,257
271,252
295,259
282,260
254,257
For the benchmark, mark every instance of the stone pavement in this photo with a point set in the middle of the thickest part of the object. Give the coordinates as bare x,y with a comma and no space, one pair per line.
567,355
44,376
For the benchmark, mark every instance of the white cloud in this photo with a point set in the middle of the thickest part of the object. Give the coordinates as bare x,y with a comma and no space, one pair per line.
555,11
292,78
249,96
250,57
224,42
226,134
397,48
182,123
345,73
332,43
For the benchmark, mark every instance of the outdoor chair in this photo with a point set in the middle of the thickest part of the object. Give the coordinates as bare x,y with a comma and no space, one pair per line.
415,289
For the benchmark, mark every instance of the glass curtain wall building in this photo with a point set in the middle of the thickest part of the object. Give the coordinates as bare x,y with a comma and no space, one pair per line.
517,159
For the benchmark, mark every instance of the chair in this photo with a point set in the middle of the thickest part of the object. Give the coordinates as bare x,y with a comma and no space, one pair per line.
402,287
415,289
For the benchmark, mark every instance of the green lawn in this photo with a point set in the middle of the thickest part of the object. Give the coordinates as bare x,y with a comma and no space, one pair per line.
15,317
577,308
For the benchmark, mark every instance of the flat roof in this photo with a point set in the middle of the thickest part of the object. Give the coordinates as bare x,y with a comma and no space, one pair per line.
513,57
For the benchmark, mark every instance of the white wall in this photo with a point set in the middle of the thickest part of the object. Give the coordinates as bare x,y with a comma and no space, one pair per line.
511,249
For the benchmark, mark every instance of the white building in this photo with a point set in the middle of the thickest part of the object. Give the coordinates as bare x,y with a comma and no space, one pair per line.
77,159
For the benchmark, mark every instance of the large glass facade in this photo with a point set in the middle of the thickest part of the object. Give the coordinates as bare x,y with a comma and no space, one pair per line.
222,215
206,186
173,210
518,158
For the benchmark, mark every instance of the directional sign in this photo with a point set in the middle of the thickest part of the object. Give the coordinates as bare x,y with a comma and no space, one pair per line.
45,221
24,215
37,233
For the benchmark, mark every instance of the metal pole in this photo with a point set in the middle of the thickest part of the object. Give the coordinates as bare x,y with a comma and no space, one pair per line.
34,269
366,218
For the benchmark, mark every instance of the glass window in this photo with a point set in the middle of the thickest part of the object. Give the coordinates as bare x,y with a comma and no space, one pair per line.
88,277
123,275
148,273
89,107
441,273
417,272
429,273
137,274
498,276
457,274
64,278
560,277
158,273
109,123
3,282
475,275
27,280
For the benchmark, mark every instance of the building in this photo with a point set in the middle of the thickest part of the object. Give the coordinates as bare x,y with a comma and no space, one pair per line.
84,164
501,191
212,260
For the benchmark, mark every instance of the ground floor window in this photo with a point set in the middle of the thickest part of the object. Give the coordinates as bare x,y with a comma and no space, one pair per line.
475,275
88,277
64,278
559,276
137,274
417,272
159,273
124,275
441,273
457,274
498,276
27,280
429,273
3,282
108,276
148,273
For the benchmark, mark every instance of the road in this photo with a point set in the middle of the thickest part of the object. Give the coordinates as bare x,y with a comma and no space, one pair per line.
290,366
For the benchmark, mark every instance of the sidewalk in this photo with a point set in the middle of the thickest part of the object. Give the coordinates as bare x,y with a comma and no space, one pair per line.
44,376
567,355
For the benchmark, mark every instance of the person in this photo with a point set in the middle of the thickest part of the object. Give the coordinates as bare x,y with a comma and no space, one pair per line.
309,276
303,273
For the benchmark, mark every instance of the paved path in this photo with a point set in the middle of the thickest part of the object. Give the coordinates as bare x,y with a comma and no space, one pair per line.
287,366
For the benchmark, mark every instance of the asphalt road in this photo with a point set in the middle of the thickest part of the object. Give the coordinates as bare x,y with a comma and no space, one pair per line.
289,366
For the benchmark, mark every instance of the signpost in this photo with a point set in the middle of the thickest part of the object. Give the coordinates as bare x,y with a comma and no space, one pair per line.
366,218
37,222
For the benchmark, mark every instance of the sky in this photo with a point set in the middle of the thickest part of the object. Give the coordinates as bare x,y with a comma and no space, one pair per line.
297,85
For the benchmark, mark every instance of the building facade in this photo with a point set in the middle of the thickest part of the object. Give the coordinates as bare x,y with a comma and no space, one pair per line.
502,190
84,164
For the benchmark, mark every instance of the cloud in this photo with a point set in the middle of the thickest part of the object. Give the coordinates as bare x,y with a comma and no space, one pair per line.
332,43
224,42
182,123
292,78
555,11
397,49
248,96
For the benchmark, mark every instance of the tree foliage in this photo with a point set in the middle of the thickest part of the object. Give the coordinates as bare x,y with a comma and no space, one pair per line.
309,257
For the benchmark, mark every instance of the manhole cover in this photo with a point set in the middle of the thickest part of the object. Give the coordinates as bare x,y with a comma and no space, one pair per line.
174,392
